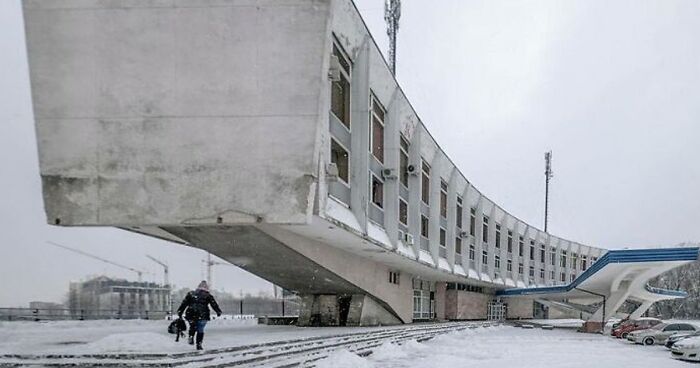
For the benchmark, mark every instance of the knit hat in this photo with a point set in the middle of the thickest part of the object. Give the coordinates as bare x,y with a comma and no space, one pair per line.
203,285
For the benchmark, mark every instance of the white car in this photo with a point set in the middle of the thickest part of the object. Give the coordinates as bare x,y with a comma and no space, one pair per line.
687,349
659,333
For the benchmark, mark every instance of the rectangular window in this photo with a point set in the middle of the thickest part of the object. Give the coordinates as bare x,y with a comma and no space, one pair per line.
443,199
497,262
485,230
340,89
509,265
459,212
403,161
563,259
542,253
403,212
443,237
472,221
574,258
394,277
424,226
425,183
472,254
377,192
458,245
542,274
553,257
572,278
510,241
376,133
532,271
532,250
551,275
521,246
563,277
520,268
498,235
484,257
583,263
340,157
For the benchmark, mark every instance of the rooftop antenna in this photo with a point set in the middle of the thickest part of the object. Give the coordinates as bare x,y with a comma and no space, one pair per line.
392,13
548,174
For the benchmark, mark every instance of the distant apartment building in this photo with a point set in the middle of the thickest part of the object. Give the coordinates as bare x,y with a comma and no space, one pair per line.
104,297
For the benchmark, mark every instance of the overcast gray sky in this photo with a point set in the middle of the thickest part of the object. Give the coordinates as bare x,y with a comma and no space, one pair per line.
612,87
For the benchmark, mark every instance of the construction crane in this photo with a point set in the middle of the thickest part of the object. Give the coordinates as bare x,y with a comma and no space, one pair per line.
166,281
139,273
166,278
211,263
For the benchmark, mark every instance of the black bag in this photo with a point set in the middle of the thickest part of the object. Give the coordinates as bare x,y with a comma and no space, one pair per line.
177,327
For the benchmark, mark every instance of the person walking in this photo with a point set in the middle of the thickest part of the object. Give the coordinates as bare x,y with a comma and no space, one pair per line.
196,308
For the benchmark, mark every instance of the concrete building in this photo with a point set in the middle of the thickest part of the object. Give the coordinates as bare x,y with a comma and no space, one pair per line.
104,297
272,134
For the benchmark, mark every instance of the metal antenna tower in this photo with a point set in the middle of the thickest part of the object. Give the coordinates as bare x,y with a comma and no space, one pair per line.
392,13
548,174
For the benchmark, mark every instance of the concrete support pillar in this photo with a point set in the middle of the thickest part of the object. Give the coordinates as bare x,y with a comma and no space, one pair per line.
391,161
343,310
414,193
359,132
641,309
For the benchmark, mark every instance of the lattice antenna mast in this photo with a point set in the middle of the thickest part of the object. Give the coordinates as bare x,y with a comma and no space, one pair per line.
392,13
548,174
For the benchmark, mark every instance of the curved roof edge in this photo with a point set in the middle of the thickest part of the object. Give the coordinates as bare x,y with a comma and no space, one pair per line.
618,256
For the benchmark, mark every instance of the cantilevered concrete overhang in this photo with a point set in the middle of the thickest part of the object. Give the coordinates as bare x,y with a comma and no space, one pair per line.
618,276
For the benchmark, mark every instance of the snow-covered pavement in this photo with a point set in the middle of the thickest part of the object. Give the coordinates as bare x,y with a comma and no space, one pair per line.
507,346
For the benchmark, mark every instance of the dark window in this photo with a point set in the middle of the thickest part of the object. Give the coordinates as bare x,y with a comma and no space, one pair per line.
425,184
443,199
542,273
443,237
471,252
532,250
472,221
532,271
510,241
403,212
485,257
377,192
424,224
340,90
403,162
521,246
509,265
497,262
377,130
459,212
542,253
485,230
498,235
458,245
340,157
520,268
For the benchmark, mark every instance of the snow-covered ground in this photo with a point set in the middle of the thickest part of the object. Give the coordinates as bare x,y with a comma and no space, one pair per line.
141,336
507,346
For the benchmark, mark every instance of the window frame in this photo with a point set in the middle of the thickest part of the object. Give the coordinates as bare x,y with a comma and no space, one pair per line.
339,144
374,177
375,118
345,74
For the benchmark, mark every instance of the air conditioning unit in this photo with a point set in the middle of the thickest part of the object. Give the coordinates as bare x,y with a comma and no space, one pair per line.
389,173
463,234
409,239
331,172
412,170
334,69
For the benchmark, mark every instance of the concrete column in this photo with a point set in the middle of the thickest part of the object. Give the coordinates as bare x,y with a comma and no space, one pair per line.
452,217
391,160
440,289
414,189
526,256
478,234
359,133
434,234
641,309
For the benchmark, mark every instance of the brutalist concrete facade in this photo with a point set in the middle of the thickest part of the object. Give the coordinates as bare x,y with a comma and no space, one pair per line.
212,123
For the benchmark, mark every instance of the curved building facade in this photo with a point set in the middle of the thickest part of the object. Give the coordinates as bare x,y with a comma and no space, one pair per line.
272,134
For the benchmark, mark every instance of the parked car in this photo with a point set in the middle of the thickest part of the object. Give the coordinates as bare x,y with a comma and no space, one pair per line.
679,337
687,349
659,333
625,328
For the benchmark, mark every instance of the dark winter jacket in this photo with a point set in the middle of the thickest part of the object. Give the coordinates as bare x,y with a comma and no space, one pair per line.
197,304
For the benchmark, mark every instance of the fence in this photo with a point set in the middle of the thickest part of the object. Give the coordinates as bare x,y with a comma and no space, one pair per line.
257,308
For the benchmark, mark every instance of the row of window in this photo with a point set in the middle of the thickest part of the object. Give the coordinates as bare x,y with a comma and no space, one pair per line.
340,156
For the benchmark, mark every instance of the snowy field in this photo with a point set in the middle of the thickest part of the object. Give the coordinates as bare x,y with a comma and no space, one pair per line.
507,346
141,336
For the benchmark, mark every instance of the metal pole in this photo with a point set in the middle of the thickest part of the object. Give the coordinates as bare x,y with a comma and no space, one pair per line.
548,175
